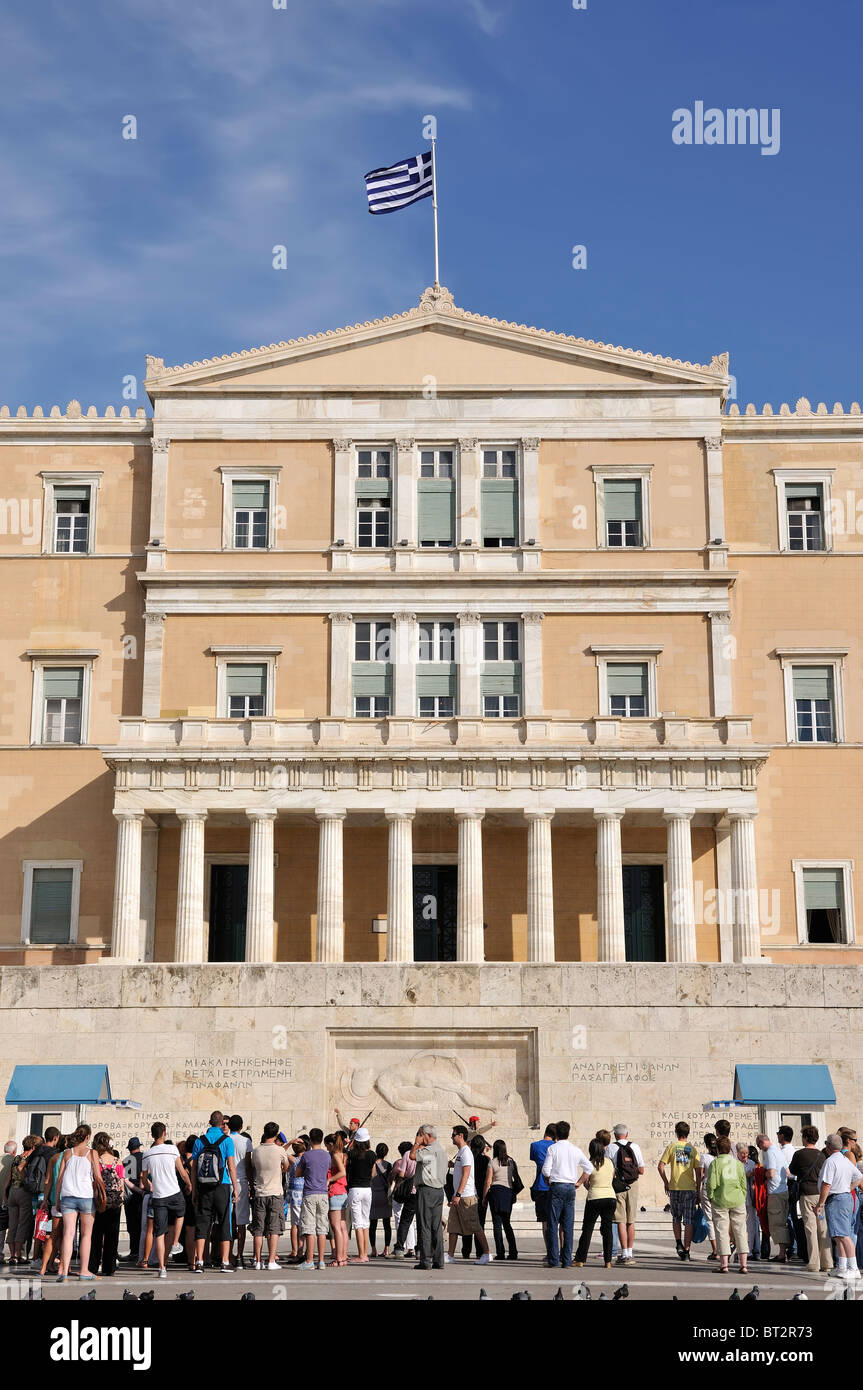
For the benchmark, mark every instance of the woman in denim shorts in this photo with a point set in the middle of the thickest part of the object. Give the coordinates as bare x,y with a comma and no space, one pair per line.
79,1185
337,1188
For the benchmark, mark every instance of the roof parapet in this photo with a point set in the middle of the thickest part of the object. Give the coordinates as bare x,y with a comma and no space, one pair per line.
802,409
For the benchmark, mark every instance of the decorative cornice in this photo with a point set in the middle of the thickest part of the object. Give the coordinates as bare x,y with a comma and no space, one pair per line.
802,410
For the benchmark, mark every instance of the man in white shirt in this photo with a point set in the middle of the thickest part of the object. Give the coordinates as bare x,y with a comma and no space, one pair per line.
627,1195
837,1177
463,1219
164,1169
565,1168
776,1164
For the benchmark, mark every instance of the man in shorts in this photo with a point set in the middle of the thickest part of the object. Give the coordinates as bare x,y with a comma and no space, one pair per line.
313,1167
625,1156
164,1169
681,1176
213,1198
296,1184
463,1219
269,1162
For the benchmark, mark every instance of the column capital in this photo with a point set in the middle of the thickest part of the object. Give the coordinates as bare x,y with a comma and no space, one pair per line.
191,815
468,444
129,815
264,814
678,813
532,617
399,815
153,619
329,813
609,813
343,446
742,815
537,814
720,615
713,441
341,617
469,619
530,442
405,442
404,617
470,815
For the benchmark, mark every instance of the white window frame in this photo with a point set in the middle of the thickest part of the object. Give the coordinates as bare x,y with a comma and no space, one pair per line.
486,447
437,714
375,449
90,478
373,504
607,655
435,623
28,866
374,623
847,867
44,660
790,657
621,472
500,699
490,661
822,476
240,473
373,714
245,656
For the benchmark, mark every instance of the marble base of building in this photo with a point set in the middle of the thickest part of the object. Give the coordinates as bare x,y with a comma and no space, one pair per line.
596,1043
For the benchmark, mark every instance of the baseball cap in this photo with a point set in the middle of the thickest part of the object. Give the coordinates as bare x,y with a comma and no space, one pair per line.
134,1144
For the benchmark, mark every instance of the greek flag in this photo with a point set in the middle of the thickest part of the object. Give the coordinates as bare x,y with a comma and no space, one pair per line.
400,184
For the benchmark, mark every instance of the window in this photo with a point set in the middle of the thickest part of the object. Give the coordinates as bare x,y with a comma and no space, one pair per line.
499,498
627,689
372,641
50,902
825,902
500,706
436,706
374,463
246,684
804,516
813,704
251,505
71,520
500,641
622,511
436,499
500,680
62,696
373,523
437,641
371,706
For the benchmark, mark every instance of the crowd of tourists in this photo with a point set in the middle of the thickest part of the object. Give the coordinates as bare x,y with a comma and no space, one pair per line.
196,1202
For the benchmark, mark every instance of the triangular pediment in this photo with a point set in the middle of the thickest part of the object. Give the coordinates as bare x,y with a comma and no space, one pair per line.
434,342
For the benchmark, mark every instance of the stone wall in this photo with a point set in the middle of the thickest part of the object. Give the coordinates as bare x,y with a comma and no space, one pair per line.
593,1043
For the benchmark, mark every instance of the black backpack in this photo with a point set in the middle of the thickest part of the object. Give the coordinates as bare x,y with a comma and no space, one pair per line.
33,1180
211,1162
626,1172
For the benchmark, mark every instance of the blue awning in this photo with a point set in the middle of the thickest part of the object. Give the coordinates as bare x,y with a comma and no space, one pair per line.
784,1085
62,1086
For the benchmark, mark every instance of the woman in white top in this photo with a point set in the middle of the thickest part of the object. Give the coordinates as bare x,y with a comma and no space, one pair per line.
79,1184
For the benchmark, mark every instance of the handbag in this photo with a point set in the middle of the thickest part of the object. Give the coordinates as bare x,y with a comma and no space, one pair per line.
517,1184
699,1226
42,1229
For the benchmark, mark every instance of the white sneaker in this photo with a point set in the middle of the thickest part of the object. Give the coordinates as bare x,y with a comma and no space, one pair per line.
852,1273
163,1274
449,1259
257,1265
483,1260
176,1249
272,1266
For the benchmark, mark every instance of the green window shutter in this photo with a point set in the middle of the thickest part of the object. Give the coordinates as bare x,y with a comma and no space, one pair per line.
627,678
822,888
499,508
437,680
251,496
813,682
501,678
374,487
51,905
248,679
810,490
623,499
72,494
437,510
62,681
372,678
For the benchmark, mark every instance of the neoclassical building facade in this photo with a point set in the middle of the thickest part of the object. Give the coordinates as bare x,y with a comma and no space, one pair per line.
437,638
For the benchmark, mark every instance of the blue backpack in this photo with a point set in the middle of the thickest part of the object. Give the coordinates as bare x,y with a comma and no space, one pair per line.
211,1162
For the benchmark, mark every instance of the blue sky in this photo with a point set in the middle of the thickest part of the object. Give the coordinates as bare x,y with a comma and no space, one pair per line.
255,127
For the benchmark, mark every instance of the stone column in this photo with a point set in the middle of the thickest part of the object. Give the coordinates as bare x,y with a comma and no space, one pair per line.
404,504
715,489
469,520
341,661
469,933
331,911
404,659
681,935
189,941
126,929
609,896
344,510
260,927
531,699
154,633
744,887
400,887
529,491
540,886
470,649
721,648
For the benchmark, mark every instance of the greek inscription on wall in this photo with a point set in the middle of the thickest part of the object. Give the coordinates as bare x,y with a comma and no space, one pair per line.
240,1073
622,1072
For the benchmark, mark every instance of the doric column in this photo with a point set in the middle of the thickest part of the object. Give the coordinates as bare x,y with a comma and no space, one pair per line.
260,928
744,887
469,935
404,658
681,935
331,910
126,929
470,665
151,696
609,884
189,943
469,493
400,887
341,659
404,507
540,886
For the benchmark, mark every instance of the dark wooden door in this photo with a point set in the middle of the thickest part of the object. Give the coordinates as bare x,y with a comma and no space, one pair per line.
229,891
644,912
435,911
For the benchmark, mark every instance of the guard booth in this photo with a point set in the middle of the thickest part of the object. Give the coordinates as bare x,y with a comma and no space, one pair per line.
782,1095
61,1096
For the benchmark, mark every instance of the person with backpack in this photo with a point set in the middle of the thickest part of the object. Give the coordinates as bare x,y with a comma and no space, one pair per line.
500,1189
19,1201
163,1167
214,1178
133,1200
106,1220
680,1170
628,1168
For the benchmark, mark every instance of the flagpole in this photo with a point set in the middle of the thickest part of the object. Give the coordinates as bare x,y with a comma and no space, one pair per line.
434,207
